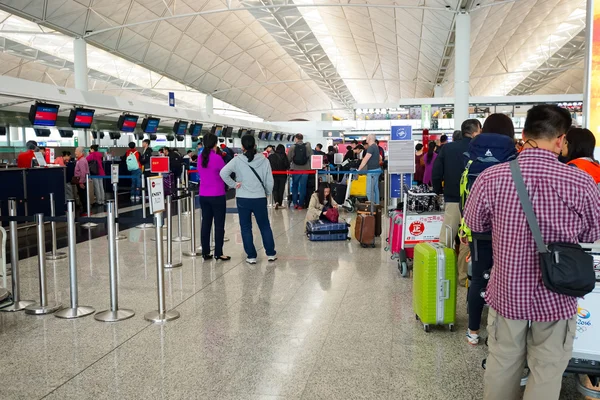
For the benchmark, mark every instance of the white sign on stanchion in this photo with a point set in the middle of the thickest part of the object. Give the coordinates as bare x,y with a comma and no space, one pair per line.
338,158
156,194
114,174
316,162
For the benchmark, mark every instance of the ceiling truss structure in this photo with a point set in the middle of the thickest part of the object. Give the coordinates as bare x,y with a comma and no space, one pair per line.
291,31
44,66
568,56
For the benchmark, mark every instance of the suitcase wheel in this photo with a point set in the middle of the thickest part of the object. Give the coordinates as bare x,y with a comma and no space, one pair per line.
427,328
483,363
416,317
403,267
373,246
452,328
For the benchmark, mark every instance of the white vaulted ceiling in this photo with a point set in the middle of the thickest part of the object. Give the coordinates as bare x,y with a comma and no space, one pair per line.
288,59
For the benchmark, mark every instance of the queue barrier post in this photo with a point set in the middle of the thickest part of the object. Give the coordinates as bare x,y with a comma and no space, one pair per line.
118,236
186,209
161,315
75,311
193,252
169,263
54,254
44,307
180,237
114,313
4,289
144,225
18,304
88,225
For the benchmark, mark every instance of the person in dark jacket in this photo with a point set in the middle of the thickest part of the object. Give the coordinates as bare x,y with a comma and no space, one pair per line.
279,162
448,169
145,157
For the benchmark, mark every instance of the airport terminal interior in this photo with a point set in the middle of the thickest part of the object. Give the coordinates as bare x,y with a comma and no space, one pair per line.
259,199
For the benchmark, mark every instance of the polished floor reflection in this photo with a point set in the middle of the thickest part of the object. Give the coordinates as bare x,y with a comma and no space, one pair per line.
325,321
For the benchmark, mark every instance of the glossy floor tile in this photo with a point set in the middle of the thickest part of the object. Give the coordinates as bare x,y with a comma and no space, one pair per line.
327,320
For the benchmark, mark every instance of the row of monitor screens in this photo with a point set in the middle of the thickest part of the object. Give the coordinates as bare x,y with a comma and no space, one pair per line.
264,135
43,114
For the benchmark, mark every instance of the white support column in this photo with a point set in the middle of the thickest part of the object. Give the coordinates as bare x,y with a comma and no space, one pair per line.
438,91
587,88
209,104
80,61
462,66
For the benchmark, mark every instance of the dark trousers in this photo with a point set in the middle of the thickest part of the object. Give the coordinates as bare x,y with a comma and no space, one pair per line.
82,197
258,207
214,208
279,182
481,260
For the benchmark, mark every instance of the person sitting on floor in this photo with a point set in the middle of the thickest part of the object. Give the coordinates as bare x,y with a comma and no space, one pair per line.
320,202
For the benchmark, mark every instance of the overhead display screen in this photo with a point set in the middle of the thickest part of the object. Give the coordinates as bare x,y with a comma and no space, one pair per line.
195,129
150,125
127,122
180,127
81,118
41,114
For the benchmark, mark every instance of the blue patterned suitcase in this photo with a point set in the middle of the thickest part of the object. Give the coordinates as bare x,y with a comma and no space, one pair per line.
321,231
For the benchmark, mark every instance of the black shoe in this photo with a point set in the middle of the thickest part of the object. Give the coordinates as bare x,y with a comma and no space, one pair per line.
207,256
222,258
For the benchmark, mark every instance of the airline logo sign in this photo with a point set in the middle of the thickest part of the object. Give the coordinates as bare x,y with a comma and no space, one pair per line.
159,165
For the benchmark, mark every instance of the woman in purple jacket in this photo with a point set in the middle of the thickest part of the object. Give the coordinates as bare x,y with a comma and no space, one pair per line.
94,160
429,161
212,197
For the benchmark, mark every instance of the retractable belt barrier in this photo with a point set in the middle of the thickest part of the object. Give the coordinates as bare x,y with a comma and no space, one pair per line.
369,172
99,220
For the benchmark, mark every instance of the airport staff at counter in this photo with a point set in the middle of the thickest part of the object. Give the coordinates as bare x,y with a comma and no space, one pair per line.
25,158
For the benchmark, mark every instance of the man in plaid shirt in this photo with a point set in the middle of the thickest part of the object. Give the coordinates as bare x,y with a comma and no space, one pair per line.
527,322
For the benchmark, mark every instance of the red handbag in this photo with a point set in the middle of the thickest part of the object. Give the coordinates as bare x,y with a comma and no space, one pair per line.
332,214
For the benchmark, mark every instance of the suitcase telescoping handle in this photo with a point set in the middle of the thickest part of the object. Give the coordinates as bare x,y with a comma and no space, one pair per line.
445,289
449,235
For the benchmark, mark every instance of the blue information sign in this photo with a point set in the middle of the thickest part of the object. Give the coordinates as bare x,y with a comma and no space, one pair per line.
400,133
172,99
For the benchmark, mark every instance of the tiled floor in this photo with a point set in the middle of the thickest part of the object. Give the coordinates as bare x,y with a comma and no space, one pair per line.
326,321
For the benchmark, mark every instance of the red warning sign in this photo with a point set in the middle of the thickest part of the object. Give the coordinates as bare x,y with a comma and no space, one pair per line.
416,228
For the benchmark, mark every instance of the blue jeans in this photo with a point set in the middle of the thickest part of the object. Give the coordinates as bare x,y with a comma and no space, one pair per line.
299,183
246,207
136,182
373,187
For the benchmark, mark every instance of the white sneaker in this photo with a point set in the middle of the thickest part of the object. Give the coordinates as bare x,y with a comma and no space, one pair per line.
138,198
132,198
251,261
472,338
272,258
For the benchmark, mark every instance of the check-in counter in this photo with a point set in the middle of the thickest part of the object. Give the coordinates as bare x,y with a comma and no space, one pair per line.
32,187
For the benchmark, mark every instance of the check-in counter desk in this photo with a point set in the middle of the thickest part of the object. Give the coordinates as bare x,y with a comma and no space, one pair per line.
32,187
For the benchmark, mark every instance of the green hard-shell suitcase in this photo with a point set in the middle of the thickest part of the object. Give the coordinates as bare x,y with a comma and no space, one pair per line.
434,285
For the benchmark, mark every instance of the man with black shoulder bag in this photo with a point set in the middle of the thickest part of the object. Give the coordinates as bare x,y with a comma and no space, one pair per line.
538,210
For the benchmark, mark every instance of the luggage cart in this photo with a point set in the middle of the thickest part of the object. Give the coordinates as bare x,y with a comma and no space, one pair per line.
418,226
586,347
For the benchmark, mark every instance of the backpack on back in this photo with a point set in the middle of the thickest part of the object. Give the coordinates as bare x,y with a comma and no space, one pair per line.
300,154
175,161
132,162
486,150
94,169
